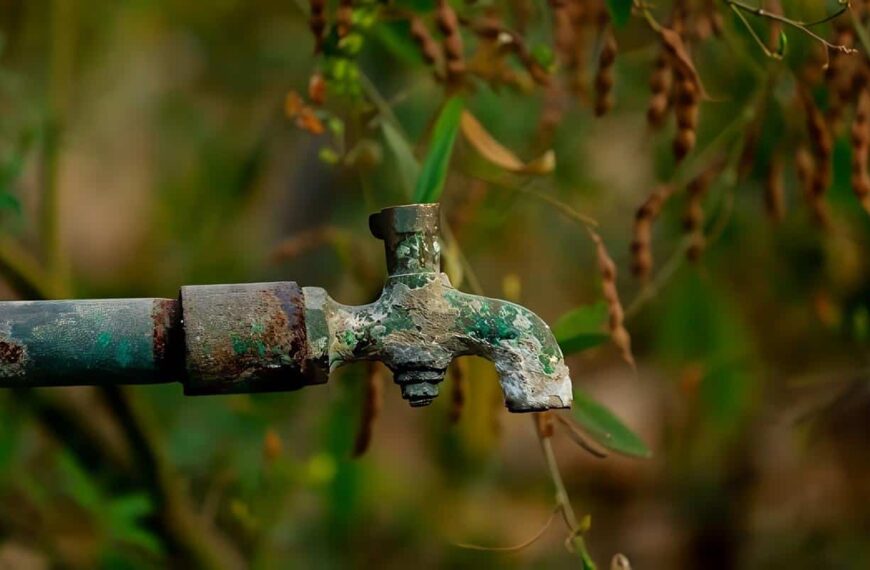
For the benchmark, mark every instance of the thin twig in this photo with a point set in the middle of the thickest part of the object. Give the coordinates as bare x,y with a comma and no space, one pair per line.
517,547
524,188
762,13
651,289
643,9
562,498
804,27
767,51
578,437
667,271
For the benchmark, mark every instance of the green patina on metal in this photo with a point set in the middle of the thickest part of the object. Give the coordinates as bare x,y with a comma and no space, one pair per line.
420,323
277,336
63,342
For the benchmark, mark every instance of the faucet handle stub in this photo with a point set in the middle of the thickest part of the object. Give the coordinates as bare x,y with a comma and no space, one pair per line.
410,235
408,219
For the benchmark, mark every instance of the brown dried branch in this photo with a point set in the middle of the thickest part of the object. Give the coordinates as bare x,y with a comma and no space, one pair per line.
371,409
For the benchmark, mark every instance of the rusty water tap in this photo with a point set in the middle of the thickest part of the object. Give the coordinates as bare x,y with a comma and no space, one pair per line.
277,336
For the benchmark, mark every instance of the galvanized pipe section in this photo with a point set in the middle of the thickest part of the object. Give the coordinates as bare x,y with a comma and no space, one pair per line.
217,339
246,338
112,341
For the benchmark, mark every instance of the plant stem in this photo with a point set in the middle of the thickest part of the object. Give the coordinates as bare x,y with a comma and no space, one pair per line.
23,272
561,493
63,28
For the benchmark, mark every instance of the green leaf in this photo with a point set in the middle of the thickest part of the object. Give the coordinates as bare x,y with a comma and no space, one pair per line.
78,484
581,328
783,44
620,11
128,508
605,428
544,56
406,162
430,184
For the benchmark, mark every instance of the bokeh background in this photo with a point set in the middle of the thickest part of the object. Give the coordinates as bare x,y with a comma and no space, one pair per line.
145,146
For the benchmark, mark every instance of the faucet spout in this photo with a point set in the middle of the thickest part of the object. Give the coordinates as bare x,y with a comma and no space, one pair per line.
420,323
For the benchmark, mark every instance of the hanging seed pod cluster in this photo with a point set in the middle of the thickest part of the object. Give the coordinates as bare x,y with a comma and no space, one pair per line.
828,101
567,53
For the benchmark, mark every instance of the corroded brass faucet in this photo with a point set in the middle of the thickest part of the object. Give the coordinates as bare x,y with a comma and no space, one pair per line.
263,337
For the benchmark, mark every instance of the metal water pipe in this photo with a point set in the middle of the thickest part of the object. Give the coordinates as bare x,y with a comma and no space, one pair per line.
263,337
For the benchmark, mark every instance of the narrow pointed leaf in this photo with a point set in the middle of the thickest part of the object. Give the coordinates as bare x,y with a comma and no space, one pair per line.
582,328
406,162
498,154
605,428
430,184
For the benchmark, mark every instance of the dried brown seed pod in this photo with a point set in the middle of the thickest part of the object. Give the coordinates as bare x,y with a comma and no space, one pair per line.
317,22
839,73
774,190
604,74
429,48
821,145
806,168
317,88
693,218
552,113
861,149
491,28
616,321
641,245
563,32
579,13
684,142
372,403
448,24
686,105
344,17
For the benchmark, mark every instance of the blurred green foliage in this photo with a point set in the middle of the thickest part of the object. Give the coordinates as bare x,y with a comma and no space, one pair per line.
174,164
